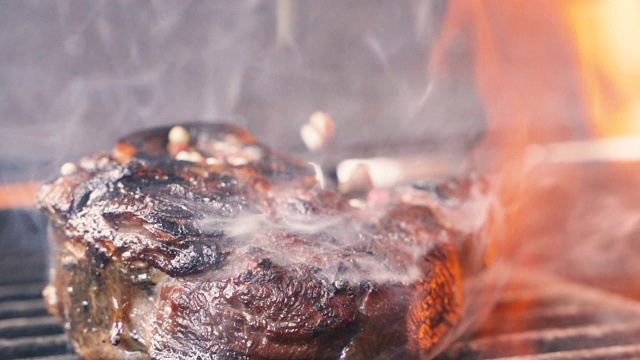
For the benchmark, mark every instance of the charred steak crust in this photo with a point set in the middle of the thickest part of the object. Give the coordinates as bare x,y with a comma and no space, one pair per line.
239,254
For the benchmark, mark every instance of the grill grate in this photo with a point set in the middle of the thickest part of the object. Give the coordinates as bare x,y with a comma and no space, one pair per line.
27,331
539,317
543,317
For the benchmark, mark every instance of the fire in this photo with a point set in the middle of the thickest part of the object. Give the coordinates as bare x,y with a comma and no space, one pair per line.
606,34
548,73
546,70
524,68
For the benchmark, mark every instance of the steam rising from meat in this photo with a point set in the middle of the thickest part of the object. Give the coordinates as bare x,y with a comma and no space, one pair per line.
80,70
261,253
83,74
75,76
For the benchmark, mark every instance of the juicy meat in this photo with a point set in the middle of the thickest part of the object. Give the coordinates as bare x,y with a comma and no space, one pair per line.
237,253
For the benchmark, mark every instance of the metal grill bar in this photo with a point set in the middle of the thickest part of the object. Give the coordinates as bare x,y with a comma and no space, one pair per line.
26,329
552,340
543,317
31,326
22,270
605,353
22,308
562,316
22,291
21,348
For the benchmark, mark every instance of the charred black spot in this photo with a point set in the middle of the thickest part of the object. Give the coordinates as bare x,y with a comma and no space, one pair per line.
248,276
265,263
80,204
227,180
180,259
367,286
176,227
340,285
98,258
317,331
300,206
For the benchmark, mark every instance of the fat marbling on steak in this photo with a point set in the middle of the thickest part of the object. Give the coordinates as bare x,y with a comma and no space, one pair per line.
219,248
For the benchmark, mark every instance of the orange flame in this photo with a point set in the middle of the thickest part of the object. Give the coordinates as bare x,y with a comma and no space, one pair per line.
607,34
546,72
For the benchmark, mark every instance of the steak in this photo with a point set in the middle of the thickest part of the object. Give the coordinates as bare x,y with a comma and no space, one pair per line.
212,246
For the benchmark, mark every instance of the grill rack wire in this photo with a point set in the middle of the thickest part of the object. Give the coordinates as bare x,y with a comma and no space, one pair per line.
539,316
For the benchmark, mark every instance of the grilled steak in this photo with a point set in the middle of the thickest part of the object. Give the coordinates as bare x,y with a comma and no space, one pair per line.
214,247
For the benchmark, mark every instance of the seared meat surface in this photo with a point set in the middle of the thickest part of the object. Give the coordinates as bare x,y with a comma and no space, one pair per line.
219,248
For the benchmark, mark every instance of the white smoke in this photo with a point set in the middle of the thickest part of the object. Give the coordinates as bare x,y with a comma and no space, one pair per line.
75,76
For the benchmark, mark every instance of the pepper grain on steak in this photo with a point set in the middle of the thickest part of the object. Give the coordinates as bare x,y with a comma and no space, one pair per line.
236,252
